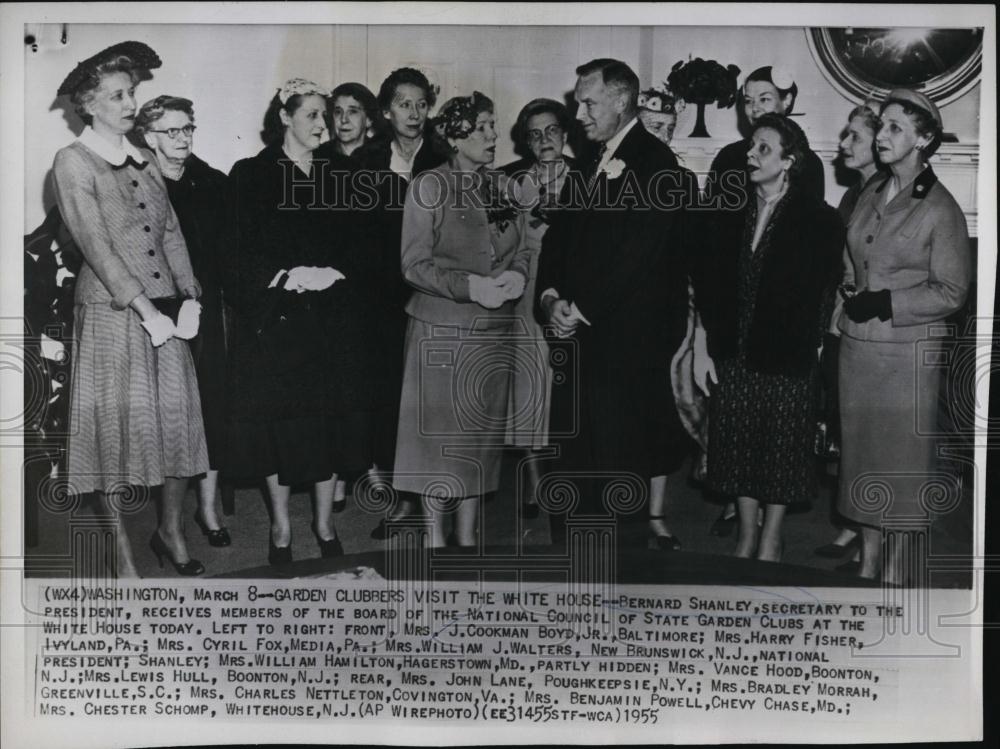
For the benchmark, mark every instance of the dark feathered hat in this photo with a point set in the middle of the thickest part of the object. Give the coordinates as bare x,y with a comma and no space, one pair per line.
141,55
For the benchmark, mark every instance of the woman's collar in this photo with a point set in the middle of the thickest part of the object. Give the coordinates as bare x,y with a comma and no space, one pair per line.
108,152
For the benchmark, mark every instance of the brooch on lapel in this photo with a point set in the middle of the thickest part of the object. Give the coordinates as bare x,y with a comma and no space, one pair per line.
614,168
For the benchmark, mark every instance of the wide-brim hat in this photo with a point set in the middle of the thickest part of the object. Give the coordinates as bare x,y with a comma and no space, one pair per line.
142,55
917,99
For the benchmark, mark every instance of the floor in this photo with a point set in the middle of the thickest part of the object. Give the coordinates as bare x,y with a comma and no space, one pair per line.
690,514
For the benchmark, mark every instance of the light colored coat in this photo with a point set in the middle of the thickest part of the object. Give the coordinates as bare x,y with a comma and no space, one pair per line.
917,246
445,239
125,227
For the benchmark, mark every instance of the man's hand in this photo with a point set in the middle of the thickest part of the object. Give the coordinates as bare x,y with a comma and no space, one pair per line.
561,316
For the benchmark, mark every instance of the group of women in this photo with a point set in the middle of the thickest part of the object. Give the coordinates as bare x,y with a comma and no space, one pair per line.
223,324
764,297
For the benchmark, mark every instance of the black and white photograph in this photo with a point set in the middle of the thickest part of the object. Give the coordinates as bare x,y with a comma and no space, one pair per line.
455,372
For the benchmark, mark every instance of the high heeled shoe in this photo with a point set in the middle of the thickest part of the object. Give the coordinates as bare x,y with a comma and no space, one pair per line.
190,568
278,554
329,548
837,551
219,537
724,524
660,541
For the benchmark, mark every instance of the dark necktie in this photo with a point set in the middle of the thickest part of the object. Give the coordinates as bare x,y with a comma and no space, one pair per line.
597,162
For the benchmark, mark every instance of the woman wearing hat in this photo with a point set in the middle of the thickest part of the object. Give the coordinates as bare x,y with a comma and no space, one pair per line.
296,413
463,255
197,193
658,112
908,253
767,90
135,408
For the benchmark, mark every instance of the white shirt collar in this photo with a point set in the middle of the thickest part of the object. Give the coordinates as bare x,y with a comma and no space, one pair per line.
114,156
399,163
616,140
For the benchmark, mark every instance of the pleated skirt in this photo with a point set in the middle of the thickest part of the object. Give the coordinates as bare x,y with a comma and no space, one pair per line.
135,411
888,413
453,410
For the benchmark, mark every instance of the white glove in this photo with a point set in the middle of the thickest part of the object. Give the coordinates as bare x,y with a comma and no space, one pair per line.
160,328
511,283
485,292
188,320
311,278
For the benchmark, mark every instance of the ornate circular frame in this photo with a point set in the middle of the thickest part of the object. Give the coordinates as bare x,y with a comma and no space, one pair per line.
942,89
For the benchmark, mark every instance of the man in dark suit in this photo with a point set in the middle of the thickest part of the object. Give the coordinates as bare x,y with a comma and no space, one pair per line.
613,286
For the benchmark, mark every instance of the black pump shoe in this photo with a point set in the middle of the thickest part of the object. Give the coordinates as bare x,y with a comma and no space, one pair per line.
661,542
724,524
218,538
278,554
190,568
837,551
330,548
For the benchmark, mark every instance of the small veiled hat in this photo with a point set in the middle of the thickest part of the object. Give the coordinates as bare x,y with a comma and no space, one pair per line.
142,55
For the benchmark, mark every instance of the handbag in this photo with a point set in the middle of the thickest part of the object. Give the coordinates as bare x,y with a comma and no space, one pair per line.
169,306
289,333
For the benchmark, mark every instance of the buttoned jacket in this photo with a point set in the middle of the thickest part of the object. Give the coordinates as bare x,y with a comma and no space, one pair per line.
917,247
123,223
447,237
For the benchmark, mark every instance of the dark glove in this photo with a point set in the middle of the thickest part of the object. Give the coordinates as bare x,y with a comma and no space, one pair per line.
865,305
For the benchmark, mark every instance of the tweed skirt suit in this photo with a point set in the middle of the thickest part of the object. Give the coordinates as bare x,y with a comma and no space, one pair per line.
458,356
135,412
917,246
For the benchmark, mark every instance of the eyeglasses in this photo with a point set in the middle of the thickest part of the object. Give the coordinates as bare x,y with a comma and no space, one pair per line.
534,136
174,132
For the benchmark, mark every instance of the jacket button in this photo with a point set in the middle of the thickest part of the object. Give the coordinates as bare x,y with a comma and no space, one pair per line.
153,252
156,274
866,263
142,205
869,239
135,183
147,229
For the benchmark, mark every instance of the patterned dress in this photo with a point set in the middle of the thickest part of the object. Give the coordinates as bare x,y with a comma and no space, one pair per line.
760,425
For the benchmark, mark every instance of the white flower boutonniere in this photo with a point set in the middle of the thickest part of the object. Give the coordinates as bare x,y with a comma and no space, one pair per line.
614,168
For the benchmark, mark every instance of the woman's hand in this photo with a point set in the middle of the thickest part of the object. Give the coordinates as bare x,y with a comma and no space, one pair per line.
486,292
704,367
160,329
511,283
865,305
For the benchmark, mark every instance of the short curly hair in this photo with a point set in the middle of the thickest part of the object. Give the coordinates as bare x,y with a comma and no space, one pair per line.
794,143
519,132
399,77
87,89
922,120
